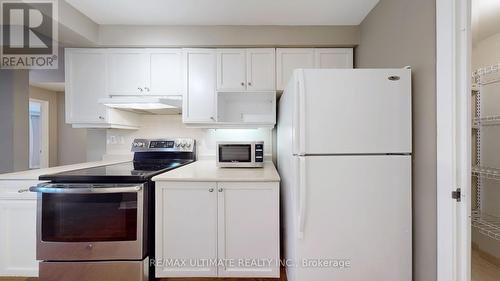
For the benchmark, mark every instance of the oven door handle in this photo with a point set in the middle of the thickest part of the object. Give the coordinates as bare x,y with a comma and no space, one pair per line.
57,188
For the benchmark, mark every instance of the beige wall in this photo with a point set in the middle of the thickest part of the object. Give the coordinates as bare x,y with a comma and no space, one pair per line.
486,52
395,34
212,36
51,98
14,121
72,143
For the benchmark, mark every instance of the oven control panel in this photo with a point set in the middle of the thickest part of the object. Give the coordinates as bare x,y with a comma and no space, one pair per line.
166,145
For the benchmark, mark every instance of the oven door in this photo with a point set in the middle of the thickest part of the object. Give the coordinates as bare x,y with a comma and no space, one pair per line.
91,222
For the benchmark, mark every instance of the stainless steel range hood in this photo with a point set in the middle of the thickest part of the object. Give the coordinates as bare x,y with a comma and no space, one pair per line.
146,105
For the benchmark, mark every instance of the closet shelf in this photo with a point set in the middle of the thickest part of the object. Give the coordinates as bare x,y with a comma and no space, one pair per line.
487,121
486,172
486,224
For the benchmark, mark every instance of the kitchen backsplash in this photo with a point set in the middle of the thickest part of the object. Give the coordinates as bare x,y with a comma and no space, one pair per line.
118,142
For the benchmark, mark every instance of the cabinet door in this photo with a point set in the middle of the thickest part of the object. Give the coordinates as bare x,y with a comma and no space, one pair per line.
18,237
248,229
85,72
333,57
186,229
261,70
127,70
290,59
231,70
200,77
165,72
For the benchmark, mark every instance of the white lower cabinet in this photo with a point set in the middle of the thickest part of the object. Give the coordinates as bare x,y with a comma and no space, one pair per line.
224,229
17,229
186,229
248,235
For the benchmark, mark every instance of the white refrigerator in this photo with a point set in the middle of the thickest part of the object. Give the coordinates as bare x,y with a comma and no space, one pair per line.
344,157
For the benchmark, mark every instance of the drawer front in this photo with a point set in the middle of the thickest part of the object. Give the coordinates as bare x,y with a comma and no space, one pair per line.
95,271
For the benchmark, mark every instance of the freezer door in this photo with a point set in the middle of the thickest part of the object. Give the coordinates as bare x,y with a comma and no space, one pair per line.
351,111
354,210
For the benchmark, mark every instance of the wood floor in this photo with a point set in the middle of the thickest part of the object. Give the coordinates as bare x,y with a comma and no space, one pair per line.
483,270
283,278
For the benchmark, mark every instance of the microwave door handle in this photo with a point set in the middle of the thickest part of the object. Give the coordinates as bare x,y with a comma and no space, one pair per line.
51,188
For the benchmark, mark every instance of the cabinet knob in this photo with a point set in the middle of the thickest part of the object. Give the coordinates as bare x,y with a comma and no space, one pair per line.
210,190
242,83
147,89
221,189
249,83
101,118
212,118
140,89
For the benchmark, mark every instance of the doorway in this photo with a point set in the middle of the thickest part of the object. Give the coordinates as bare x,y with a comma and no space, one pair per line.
38,134
468,110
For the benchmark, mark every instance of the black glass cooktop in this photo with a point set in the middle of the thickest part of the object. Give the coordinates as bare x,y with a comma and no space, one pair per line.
129,172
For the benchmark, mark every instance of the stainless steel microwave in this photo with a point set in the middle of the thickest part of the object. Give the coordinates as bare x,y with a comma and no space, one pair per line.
240,154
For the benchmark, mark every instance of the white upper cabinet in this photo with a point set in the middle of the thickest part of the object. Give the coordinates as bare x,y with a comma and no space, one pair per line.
126,73
333,58
85,72
261,70
231,71
165,72
199,96
144,72
245,70
289,59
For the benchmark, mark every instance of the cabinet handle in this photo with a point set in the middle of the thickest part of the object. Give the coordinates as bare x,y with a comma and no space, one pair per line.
210,190
140,89
23,190
221,189
212,118
147,89
101,118
242,83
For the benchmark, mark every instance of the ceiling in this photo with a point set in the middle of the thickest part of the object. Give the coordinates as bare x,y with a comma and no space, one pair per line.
485,19
225,12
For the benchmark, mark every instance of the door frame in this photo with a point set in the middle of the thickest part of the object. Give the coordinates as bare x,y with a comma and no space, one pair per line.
44,145
453,105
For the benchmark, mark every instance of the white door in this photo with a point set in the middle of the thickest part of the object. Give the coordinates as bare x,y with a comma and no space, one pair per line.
249,229
186,229
289,59
200,76
18,237
261,70
231,70
353,111
85,72
355,209
333,58
126,72
165,72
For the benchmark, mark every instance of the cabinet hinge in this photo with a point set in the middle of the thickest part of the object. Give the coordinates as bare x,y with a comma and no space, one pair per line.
457,195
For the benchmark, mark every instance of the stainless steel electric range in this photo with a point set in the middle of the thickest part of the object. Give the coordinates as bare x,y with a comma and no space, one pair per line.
97,224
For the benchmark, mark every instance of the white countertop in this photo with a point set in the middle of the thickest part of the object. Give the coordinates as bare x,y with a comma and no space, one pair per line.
34,174
207,170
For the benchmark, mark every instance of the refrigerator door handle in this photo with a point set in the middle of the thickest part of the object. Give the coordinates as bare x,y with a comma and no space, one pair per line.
302,196
299,144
